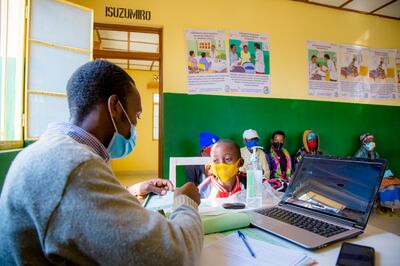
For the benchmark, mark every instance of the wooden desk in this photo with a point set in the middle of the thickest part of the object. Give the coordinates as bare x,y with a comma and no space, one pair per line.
387,246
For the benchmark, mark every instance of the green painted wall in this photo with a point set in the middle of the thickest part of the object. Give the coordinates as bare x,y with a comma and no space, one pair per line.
6,158
339,124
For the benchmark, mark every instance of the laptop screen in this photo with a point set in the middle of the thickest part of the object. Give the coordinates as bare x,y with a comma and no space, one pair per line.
343,187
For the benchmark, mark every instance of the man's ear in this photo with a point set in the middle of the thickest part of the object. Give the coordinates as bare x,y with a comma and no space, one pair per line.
113,105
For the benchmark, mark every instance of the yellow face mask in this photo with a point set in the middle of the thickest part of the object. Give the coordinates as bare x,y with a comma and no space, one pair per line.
225,171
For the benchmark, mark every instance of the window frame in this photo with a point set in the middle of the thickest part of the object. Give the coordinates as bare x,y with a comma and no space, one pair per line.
28,42
158,116
18,143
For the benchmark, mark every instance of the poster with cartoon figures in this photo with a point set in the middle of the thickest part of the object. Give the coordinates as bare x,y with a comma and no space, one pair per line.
353,69
381,73
322,69
249,64
206,64
398,73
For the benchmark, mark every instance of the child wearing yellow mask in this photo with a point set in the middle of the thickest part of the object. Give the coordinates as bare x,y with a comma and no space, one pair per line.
226,180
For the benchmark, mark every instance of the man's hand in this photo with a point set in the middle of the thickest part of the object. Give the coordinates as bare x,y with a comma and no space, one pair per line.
157,185
189,189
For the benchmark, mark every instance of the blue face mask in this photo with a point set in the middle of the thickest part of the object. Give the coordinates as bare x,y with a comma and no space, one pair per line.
119,146
251,143
370,146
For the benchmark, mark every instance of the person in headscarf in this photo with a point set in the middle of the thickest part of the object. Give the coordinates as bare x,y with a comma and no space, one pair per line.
367,149
280,162
389,192
311,142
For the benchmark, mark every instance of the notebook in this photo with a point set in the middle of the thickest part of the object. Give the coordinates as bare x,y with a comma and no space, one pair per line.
231,250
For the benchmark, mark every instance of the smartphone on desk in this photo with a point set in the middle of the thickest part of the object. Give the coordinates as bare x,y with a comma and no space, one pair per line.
355,255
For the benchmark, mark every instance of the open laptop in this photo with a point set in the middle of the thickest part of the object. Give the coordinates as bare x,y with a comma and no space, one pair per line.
329,199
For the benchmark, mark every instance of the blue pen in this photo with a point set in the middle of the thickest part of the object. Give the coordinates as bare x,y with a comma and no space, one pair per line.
243,237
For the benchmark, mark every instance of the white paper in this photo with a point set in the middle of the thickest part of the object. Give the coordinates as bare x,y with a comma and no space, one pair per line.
381,72
249,66
353,68
207,66
231,250
323,73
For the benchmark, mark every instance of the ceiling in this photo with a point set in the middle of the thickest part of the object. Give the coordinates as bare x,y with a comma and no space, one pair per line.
383,8
126,41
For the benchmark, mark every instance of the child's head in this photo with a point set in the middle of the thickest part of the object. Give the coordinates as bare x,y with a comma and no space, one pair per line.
225,159
191,53
203,54
245,48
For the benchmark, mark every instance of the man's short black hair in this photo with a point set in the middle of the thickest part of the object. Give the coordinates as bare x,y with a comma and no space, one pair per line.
278,132
232,144
314,56
93,83
257,45
233,45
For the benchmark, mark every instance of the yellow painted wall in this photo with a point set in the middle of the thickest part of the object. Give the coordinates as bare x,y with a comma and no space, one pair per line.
144,157
290,24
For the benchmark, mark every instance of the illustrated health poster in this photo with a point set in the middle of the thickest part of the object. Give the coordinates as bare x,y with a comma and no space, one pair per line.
207,64
353,67
381,73
249,63
323,73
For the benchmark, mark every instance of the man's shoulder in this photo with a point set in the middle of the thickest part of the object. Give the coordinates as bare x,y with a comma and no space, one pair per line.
47,163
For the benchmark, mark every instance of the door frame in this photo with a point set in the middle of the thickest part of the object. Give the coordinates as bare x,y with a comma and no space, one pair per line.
97,53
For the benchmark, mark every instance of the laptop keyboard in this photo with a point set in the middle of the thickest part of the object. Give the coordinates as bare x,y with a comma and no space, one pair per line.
304,222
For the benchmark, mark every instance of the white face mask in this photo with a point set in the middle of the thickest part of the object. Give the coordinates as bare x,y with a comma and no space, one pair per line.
119,146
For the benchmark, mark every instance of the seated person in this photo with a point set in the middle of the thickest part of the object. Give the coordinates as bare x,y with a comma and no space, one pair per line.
251,139
192,62
279,162
389,192
203,60
311,146
367,149
197,173
226,179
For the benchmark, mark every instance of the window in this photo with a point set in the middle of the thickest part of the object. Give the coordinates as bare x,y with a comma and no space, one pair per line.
52,58
156,106
12,29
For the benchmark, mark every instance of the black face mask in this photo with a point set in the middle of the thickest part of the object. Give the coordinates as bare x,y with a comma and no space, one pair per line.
277,145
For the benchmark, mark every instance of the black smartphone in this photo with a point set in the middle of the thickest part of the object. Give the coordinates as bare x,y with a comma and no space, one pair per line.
356,255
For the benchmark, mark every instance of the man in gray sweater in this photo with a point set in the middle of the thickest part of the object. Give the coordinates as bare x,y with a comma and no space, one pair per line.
62,204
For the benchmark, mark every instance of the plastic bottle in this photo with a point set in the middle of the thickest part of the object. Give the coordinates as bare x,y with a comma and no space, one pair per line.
254,181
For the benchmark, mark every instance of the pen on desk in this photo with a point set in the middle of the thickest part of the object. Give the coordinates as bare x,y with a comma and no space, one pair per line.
243,237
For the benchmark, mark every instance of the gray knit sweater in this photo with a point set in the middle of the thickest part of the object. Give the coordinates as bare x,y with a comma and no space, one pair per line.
61,204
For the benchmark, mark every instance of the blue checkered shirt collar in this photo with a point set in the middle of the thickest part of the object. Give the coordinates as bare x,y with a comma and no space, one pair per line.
82,136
